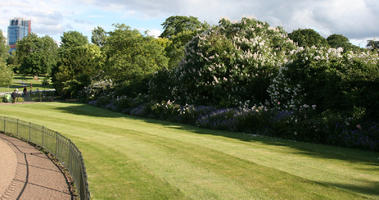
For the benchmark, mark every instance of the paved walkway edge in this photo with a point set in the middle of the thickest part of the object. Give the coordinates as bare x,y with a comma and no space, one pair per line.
36,176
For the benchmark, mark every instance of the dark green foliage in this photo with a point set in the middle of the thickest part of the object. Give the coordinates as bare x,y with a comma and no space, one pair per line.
373,45
3,47
175,50
79,64
338,40
178,24
99,36
72,39
333,80
6,74
77,67
160,85
12,61
36,55
131,58
308,38
180,30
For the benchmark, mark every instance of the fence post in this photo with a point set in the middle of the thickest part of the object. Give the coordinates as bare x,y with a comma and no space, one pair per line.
56,145
17,128
4,124
43,136
30,127
69,156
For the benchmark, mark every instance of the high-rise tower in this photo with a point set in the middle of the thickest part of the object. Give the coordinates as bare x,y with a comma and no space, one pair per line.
18,28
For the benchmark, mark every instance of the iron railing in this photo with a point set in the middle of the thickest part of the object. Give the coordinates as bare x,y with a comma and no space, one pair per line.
53,142
37,95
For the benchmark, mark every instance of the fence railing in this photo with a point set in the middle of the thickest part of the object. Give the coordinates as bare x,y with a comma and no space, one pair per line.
37,95
53,142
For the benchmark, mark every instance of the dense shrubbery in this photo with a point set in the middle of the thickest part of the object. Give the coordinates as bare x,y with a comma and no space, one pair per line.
6,74
330,79
232,63
240,76
305,123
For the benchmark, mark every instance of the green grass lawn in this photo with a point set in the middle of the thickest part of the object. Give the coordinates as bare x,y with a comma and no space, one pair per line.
21,81
135,158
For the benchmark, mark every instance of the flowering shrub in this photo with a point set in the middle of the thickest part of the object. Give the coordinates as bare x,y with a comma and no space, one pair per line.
169,110
256,118
328,78
232,63
125,102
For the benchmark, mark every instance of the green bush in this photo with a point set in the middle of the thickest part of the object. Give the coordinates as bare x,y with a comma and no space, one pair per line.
160,85
46,82
125,102
329,79
19,99
103,101
232,63
6,98
6,74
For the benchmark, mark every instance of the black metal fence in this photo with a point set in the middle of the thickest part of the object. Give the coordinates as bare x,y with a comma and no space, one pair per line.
53,142
19,97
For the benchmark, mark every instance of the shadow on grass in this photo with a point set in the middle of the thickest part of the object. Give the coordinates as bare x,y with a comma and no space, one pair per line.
89,110
310,149
371,188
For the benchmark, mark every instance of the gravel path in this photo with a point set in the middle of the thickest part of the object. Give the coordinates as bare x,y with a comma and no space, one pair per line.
27,173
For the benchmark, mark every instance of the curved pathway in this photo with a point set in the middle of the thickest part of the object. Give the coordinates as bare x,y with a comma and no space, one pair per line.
27,173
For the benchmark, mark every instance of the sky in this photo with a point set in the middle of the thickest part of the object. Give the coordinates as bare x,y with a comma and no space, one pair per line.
356,19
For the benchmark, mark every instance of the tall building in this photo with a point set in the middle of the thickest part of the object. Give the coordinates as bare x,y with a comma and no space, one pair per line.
18,28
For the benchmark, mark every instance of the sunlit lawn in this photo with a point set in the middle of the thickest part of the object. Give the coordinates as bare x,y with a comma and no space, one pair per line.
135,158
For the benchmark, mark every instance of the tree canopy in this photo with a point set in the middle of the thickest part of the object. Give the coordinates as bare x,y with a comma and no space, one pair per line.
338,40
373,45
98,36
73,38
36,55
6,73
3,47
180,30
308,38
79,64
131,57
177,24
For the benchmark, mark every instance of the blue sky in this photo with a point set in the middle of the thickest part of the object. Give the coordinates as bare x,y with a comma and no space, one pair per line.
356,19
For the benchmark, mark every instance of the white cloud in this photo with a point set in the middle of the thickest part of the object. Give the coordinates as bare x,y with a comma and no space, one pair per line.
51,17
154,32
352,18
356,19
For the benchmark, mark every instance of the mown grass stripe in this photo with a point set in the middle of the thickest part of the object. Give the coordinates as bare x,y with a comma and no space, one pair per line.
188,162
